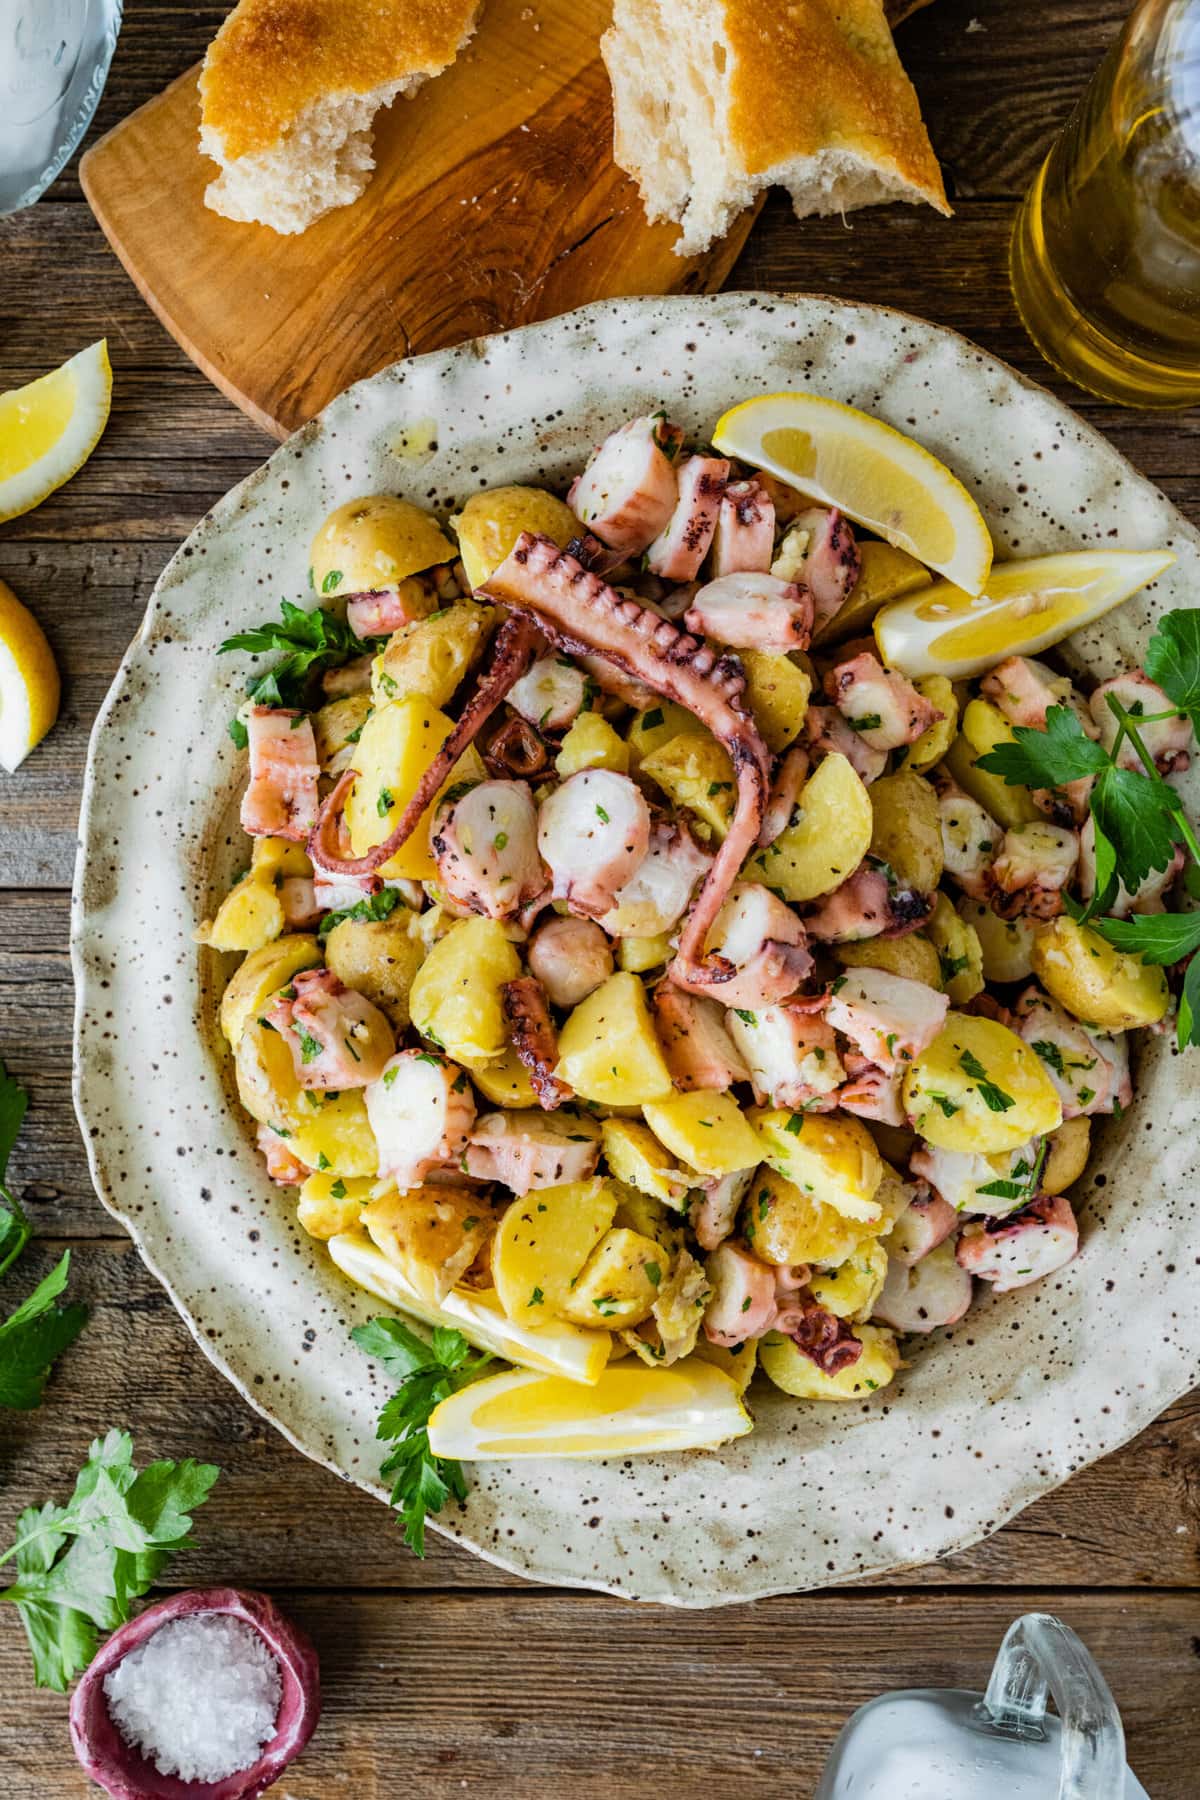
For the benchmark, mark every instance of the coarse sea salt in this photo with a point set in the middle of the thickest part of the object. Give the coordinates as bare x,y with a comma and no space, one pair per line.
199,1699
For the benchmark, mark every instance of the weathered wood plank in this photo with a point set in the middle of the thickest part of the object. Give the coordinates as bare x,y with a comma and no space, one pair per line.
543,1698
1133,1520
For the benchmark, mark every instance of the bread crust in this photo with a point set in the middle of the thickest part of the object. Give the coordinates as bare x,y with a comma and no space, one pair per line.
812,75
272,59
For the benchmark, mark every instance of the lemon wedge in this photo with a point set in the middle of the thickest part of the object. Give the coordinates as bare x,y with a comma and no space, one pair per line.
875,475
630,1410
1025,607
29,687
50,428
567,1351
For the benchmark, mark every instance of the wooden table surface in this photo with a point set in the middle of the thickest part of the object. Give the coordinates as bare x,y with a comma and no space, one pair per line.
445,1675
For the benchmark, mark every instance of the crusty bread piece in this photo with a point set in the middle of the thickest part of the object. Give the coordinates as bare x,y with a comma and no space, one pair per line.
289,89
715,100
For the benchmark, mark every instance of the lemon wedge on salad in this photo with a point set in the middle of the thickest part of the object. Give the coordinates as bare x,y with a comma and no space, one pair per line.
29,687
842,457
1024,608
631,1409
50,428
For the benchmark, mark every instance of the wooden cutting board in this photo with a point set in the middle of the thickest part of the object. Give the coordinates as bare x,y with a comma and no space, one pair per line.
495,202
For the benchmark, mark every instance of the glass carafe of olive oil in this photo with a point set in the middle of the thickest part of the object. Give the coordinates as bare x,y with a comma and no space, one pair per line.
1106,250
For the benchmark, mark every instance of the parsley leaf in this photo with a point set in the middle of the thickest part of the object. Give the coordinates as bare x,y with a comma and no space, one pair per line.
14,1226
427,1373
993,1097
1050,758
1173,661
308,641
79,1566
1136,815
378,906
34,1336
1187,1029
1155,937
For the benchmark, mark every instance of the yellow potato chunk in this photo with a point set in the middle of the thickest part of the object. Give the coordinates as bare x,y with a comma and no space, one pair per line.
635,1156
851,1289
637,954
455,997
248,918
378,958
266,1079
1006,945
1100,985
979,1087
652,1219
706,1131
695,772
618,1284
1066,1156
777,691
913,957
886,574
375,542
651,729
398,743
542,1244
273,860
960,955
784,1363
335,725
828,841
933,744
262,974
431,657
906,832
329,1204
505,1082
785,1225
592,743
432,1233
334,1133
608,1048
830,1156
491,522
983,727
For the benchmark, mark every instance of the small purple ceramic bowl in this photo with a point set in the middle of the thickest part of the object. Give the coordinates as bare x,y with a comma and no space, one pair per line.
126,1774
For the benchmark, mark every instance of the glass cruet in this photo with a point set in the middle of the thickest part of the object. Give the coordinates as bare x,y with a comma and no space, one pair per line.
948,1744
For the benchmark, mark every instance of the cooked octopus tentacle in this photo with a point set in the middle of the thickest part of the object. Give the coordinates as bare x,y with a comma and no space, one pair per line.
582,614
534,1038
514,648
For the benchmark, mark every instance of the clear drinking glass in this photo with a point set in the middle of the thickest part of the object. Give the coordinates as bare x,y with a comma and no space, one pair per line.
54,57
1106,251
947,1744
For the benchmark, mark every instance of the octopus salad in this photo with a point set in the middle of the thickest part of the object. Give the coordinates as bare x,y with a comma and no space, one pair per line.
640,963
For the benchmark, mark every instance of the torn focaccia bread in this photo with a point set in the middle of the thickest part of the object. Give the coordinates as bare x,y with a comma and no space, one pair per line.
715,100
289,89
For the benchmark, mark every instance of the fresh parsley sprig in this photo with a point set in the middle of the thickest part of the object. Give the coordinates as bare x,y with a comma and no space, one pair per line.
427,1373
79,1566
1138,818
38,1331
308,641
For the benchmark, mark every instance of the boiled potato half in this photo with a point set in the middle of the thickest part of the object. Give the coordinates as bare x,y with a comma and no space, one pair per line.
248,918
608,1048
831,1157
375,542
906,831
1099,984
378,958
262,974
706,1131
542,1244
695,772
431,657
829,840
398,743
960,955
491,522
777,691
784,1363
979,1087
619,1282
786,1225
886,573
983,728
933,744
455,997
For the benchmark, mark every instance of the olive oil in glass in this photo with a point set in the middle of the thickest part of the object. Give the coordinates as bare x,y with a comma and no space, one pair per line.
1106,249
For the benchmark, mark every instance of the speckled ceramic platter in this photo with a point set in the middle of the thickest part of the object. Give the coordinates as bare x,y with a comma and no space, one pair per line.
1028,1389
